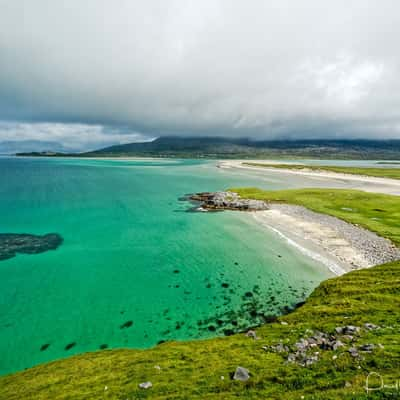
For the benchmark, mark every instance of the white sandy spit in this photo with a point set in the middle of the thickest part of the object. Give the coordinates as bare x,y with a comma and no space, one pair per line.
340,246
366,183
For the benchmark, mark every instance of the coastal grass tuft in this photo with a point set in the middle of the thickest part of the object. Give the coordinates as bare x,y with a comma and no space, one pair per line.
392,173
193,370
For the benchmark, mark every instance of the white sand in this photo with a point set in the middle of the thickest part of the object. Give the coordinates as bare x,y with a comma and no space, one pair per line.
366,183
338,245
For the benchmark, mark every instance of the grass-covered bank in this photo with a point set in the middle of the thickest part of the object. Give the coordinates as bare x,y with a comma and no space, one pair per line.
392,173
193,370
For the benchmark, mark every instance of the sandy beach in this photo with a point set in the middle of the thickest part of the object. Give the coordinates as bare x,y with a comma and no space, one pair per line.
340,246
360,182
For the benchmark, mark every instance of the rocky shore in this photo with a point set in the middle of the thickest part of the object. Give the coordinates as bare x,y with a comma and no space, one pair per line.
215,201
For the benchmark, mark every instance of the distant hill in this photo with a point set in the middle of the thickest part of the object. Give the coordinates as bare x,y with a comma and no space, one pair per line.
221,147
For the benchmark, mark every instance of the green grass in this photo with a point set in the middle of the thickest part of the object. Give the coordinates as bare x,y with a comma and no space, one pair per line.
193,370
393,173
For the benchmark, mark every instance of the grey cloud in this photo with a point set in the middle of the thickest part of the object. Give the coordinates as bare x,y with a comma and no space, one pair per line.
266,69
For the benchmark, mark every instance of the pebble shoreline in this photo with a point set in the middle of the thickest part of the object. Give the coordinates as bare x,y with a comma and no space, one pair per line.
372,248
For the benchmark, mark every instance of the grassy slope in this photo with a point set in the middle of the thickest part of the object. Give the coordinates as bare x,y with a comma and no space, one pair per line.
191,370
393,173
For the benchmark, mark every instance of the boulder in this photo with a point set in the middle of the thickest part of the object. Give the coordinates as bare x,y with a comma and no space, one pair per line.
241,374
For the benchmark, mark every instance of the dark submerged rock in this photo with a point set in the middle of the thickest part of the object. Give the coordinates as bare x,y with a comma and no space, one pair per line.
126,324
13,243
44,347
69,346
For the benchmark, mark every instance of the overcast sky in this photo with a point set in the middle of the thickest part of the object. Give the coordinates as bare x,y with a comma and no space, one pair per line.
83,74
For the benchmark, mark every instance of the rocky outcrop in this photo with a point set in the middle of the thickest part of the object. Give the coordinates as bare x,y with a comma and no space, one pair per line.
307,350
215,201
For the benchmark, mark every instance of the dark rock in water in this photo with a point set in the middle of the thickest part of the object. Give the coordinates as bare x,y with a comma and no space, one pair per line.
44,347
176,271
211,328
225,285
13,243
248,294
126,324
103,346
70,346
228,332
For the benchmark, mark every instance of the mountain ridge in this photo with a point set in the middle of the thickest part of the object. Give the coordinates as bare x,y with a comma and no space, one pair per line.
224,147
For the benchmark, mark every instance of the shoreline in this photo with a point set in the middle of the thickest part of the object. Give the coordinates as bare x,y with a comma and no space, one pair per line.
338,245
361,182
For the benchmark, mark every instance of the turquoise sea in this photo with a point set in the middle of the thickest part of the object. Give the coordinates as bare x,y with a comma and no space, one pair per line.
135,268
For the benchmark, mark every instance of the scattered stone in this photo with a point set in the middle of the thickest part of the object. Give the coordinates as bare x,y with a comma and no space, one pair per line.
145,385
241,374
284,323
103,346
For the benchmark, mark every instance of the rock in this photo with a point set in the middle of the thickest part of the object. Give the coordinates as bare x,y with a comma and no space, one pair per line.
336,344
371,327
280,348
347,330
145,385
368,348
252,334
241,374
353,352
226,201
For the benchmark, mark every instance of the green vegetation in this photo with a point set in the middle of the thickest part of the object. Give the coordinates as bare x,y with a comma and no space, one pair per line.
393,173
193,370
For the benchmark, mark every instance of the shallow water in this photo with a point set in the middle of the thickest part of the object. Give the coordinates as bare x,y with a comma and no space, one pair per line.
134,268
